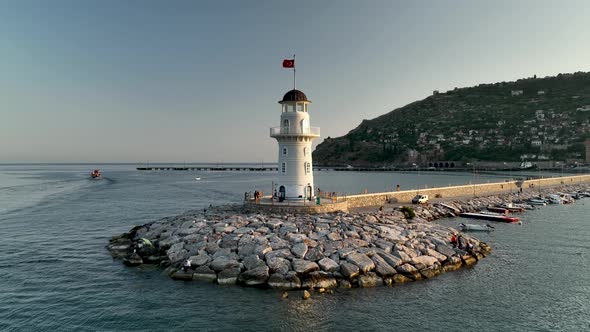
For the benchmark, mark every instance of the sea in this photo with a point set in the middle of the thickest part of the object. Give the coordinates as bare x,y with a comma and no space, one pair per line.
56,275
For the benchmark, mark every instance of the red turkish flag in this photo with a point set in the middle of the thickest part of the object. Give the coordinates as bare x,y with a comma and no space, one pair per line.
289,63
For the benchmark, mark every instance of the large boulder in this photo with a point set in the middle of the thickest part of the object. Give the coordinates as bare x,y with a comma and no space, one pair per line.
278,265
349,270
223,263
425,259
284,281
382,268
181,275
314,254
282,253
204,273
251,262
177,253
445,250
363,261
400,278
303,267
199,260
402,254
296,237
229,276
299,249
133,260
392,260
370,279
431,252
322,280
406,269
328,265
262,249
254,277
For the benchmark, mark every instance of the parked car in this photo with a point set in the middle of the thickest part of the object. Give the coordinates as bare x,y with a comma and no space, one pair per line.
420,199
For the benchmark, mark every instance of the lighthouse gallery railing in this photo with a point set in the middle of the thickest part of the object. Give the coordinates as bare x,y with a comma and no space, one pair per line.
278,131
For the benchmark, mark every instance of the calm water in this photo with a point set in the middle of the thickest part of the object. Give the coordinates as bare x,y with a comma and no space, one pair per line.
56,275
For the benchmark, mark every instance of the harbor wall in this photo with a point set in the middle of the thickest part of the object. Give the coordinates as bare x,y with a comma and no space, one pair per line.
470,190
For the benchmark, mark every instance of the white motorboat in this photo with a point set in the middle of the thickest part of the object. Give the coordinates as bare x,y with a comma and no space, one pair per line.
523,206
537,201
476,228
554,199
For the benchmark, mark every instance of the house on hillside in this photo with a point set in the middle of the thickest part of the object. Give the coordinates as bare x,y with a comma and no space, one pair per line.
516,93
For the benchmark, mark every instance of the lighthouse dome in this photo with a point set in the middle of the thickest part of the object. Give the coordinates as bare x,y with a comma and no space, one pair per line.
294,95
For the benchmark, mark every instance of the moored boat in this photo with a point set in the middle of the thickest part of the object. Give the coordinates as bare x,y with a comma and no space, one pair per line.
511,208
537,201
524,206
489,216
497,209
554,199
476,228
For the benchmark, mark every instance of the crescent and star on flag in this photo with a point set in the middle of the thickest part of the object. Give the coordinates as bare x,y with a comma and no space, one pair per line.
290,63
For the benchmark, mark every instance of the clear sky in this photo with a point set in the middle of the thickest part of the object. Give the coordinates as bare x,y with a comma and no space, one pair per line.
199,81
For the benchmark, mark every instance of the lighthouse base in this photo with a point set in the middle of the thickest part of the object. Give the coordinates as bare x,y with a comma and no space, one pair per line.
295,192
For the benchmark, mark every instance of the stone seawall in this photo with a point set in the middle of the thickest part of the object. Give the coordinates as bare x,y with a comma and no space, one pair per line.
473,190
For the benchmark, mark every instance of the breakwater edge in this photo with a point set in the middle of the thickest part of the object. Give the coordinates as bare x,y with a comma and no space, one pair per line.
227,245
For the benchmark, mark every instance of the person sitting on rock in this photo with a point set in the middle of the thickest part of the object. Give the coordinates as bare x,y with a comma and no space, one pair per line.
186,265
460,242
471,250
454,240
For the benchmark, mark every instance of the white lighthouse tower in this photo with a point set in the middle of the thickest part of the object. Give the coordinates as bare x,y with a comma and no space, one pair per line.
294,135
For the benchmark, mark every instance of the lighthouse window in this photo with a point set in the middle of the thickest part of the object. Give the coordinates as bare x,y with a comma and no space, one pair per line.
284,168
307,168
304,152
299,107
284,151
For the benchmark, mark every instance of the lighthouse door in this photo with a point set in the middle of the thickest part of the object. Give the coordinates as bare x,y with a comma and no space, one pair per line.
309,192
281,193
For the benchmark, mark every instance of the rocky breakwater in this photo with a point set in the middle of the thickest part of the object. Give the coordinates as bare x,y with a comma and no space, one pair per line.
298,251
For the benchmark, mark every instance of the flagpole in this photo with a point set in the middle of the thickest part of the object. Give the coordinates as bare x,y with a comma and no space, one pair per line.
293,71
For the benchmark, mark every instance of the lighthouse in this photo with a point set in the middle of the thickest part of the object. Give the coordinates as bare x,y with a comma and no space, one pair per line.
295,135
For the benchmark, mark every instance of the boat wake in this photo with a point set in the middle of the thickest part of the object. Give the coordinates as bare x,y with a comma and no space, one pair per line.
17,198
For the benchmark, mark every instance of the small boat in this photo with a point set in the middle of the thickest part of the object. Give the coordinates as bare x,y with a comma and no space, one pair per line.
524,206
511,208
95,174
554,199
489,216
198,179
476,228
566,198
497,209
537,201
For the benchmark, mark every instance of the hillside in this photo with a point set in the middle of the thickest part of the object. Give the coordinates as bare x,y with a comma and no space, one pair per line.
533,118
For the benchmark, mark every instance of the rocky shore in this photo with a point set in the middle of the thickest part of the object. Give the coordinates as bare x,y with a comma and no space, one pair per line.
229,246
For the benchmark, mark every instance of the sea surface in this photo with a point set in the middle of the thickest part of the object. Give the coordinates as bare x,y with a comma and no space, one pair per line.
56,275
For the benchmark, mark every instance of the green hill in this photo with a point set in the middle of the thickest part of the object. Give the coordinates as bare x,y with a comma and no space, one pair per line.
533,118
